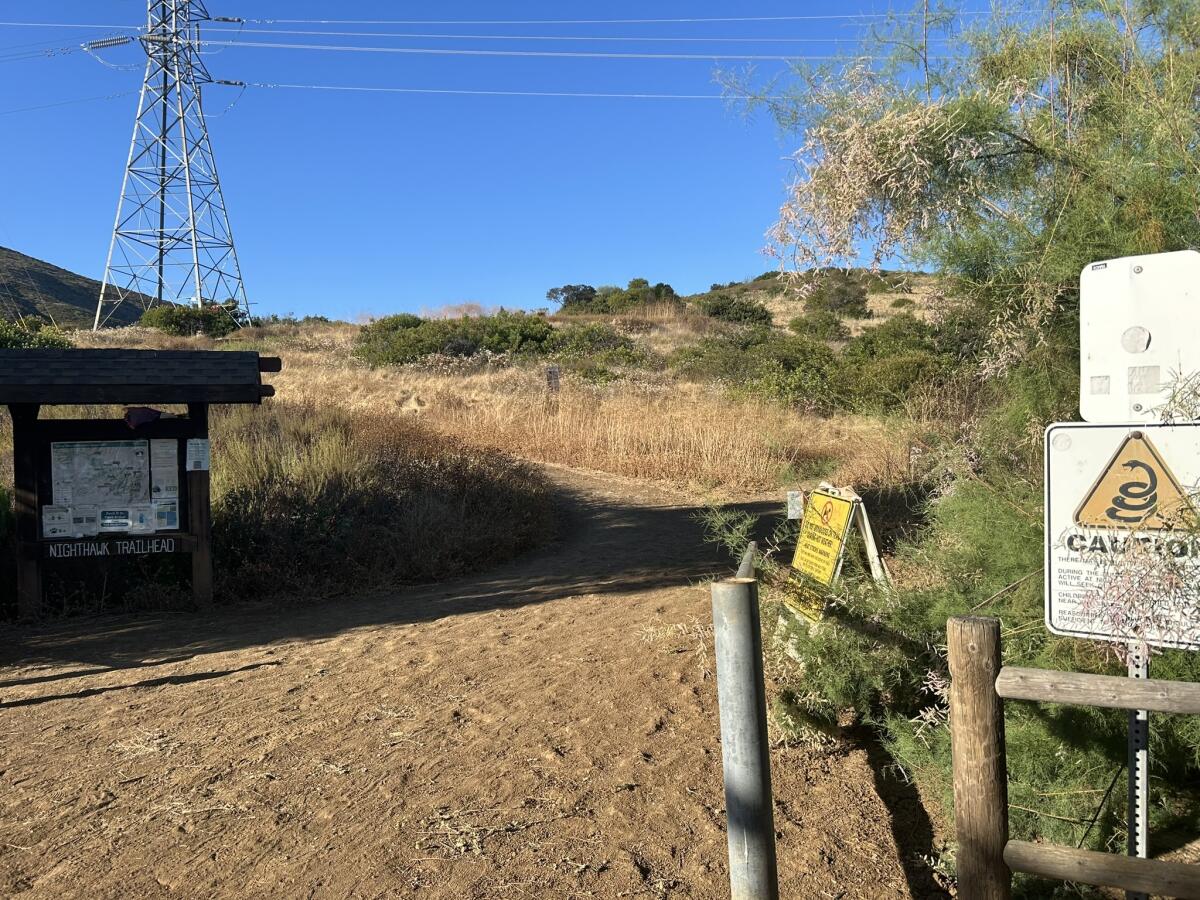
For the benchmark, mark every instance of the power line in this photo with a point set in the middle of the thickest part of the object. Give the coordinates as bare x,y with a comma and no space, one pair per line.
486,93
809,18
30,47
42,49
9,112
559,54
66,25
538,37
47,53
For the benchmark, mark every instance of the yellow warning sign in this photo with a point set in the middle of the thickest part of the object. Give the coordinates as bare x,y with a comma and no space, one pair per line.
1136,490
822,536
805,600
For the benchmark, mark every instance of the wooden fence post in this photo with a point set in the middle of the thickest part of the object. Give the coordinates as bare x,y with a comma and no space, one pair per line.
980,770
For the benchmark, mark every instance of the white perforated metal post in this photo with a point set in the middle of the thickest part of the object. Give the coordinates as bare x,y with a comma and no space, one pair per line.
1139,766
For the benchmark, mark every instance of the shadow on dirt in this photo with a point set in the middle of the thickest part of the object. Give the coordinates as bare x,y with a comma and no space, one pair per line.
605,547
911,826
147,683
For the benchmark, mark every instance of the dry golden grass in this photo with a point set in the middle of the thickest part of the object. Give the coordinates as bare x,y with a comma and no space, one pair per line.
686,434
689,435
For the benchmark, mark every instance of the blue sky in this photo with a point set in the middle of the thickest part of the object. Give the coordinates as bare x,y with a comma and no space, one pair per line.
361,203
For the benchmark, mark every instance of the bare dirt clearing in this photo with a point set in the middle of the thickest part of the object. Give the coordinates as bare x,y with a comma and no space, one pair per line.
546,730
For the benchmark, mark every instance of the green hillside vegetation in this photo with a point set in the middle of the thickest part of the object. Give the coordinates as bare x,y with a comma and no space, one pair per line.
31,288
29,334
818,367
583,299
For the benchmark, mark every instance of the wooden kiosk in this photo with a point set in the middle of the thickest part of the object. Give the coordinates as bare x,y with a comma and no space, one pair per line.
102,488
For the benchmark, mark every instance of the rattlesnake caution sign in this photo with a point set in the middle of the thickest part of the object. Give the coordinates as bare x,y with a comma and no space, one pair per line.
1122,538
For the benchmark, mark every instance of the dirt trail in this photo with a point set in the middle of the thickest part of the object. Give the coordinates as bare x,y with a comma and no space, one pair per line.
546,730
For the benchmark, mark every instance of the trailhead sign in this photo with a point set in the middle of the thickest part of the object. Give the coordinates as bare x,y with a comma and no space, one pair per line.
95,488
1122,550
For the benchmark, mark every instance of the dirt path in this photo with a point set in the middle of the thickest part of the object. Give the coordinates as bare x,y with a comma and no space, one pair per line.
547,730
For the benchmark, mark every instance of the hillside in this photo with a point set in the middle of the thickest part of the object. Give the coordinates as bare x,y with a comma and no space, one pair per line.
885,294
31,287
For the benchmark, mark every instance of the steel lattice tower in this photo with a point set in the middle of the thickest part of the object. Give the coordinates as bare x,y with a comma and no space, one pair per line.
172,242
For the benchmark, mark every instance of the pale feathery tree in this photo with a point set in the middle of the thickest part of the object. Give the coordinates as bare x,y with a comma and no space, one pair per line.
1004,151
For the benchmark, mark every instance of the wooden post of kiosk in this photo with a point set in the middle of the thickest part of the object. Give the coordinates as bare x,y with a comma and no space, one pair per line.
29,571
172,512
200,513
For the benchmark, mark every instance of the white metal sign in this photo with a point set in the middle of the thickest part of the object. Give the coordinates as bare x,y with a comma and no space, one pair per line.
1139,322
1122,546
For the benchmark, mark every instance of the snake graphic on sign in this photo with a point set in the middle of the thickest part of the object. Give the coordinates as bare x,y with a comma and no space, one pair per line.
1136,490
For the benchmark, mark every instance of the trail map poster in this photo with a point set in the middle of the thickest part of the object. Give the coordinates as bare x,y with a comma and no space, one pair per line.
112,487
108,474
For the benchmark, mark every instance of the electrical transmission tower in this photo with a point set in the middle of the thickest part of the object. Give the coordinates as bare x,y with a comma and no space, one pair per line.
172,242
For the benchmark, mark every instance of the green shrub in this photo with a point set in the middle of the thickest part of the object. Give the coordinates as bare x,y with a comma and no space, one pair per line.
609,300
721,357
821,325
901,334
211,320
32,334
837,291
884,383
584,339
737,310
903,303
593,373
596,343
764,363
406,338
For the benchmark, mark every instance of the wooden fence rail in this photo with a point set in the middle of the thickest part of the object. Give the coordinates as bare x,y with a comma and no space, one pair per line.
978,688
1111,691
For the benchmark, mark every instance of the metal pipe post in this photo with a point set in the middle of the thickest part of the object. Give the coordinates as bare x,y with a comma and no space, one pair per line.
737,634
746,568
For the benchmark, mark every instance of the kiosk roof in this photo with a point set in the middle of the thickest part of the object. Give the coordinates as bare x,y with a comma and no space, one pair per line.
90,377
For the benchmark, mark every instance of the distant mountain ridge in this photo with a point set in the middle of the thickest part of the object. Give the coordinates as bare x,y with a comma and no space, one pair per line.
32,287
